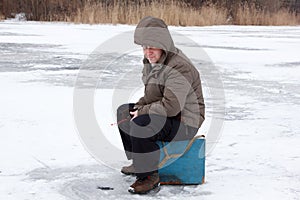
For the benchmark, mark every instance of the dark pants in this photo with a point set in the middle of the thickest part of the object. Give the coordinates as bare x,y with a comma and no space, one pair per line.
139,137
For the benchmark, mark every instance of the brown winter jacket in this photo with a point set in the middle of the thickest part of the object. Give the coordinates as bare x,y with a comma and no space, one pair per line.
172,86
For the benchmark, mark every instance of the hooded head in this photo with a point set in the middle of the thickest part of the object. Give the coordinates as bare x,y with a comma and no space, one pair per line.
154,32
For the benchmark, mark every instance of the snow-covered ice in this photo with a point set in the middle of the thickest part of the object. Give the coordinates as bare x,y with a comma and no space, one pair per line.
41,156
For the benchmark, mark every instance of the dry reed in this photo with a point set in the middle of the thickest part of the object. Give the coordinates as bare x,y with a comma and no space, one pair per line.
250,15
174,12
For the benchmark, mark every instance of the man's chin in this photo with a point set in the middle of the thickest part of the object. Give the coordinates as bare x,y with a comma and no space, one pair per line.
152,61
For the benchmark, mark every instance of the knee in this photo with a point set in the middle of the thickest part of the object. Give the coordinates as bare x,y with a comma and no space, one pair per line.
125,106
122,107
141,120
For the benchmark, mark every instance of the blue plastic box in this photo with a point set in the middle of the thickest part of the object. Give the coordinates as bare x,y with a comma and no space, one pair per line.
182,162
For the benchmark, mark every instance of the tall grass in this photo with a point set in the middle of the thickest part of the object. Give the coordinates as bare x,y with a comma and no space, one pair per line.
174,12
251,15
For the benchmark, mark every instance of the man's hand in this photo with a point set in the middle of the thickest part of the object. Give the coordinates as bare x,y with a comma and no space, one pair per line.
134,114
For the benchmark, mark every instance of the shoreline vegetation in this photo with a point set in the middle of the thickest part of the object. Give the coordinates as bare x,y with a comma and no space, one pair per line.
173,12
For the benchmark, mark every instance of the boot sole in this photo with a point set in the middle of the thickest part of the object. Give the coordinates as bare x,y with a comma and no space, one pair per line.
155,189
128,173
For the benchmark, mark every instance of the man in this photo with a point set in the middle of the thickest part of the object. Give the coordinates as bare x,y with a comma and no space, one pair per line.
171,109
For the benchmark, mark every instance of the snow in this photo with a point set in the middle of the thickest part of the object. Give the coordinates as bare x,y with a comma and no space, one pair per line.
42,154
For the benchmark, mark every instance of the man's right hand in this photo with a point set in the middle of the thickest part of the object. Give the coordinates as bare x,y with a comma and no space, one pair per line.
134,114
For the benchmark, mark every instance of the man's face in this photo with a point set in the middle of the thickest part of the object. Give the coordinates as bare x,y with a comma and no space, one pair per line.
152,54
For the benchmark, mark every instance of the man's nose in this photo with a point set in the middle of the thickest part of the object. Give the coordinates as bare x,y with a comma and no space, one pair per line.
148,50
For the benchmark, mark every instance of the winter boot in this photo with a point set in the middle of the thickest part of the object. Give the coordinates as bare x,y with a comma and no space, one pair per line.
145,185
128,170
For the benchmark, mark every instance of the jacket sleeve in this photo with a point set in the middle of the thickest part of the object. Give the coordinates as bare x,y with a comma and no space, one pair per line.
141,102
176,89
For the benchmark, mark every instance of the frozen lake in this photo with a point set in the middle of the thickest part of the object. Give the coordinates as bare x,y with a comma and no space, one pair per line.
256,155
